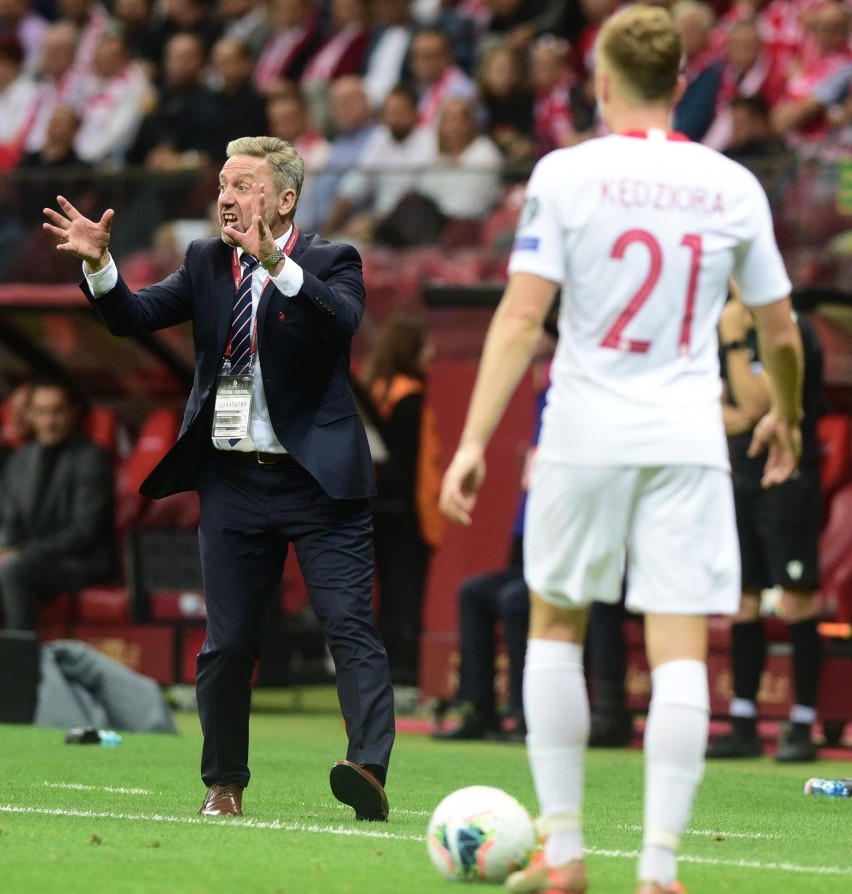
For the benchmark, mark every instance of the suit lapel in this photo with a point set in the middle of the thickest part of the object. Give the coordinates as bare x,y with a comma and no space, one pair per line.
269,289
225,293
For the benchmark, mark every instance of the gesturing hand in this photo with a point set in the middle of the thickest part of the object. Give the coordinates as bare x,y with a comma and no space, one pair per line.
88,239
257,240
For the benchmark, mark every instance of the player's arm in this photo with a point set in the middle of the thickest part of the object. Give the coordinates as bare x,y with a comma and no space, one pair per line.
780,346
748,389
511,341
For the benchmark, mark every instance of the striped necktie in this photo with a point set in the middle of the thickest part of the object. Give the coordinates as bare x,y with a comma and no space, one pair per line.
241,320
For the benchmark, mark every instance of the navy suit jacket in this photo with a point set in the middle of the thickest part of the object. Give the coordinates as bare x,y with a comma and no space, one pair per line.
304,343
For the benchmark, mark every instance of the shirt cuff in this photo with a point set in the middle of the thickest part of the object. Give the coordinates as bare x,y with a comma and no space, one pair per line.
291,278
102,281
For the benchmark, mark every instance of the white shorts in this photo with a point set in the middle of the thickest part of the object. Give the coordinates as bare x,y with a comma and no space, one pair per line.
672,529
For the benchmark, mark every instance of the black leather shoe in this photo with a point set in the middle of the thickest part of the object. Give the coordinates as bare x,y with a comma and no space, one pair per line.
735,744
797,746
356,786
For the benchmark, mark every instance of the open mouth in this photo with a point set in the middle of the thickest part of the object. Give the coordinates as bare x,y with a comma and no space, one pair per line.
229,220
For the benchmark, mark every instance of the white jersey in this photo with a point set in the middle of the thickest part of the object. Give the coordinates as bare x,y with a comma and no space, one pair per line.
643,233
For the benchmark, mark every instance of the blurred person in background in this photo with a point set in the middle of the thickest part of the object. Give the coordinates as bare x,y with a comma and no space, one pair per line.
778,534
19,19
56,527
56,76
694,112
800,114
464,180
179,133
390,168
246,21
353,124
409,527
91,19
748,69
16,426
507,101
294,38
18,102
146,32
385,59
238,106
112,98
561,115
435,75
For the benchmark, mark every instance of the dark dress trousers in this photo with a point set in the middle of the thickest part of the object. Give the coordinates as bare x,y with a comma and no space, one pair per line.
250,513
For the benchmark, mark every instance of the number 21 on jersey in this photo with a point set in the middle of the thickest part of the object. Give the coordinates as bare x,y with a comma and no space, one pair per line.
616,338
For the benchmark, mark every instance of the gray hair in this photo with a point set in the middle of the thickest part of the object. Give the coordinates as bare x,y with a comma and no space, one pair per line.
285,163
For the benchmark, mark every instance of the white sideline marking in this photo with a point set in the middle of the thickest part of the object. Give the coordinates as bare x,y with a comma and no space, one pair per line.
714,833
278,826
79,787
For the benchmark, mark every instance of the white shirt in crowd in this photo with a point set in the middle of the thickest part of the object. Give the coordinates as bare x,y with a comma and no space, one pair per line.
469,187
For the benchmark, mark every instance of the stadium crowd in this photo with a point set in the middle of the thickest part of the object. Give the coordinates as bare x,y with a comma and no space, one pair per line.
372,91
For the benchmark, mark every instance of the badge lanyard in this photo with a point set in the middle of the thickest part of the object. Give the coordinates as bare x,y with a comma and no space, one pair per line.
232,409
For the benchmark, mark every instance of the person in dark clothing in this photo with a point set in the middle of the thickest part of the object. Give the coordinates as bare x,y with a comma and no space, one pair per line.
778,531
56,514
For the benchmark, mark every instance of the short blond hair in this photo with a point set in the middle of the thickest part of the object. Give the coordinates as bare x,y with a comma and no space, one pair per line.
642,45
285,163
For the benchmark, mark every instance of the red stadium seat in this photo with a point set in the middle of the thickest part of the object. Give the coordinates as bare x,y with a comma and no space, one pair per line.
834,436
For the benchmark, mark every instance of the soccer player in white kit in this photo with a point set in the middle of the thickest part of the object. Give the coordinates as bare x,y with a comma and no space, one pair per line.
641,230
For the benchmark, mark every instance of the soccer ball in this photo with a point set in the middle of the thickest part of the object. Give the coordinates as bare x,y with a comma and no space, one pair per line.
480,834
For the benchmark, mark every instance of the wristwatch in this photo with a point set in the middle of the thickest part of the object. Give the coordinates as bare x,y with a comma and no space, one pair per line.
273,260
736,345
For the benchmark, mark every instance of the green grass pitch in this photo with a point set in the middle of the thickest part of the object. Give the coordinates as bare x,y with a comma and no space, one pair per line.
94,820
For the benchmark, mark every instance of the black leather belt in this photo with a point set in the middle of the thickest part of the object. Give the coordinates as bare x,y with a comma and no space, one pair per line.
261,459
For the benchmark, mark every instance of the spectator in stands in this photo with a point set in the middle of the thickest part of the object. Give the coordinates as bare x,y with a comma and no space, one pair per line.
507,102
302,452
56,514
18,102
752,138
91,19
342,52
353,125
694,113
435,74
245,21
464,181
295,37
113,100
801,112
57,149
561,116
385,60
17,428
499,597
778,532
288,117
146,33
238,107
56,77
179,134
191,15
19,19
390,168
408,531
748,69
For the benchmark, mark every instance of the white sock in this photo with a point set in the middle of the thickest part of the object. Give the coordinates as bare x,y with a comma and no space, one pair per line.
556,709
675,742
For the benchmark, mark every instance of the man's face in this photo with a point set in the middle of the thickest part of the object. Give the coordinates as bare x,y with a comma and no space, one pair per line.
430,57
52,415
399,116
235,200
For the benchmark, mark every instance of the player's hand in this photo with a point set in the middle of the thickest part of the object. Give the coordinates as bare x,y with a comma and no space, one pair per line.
461,483
783,445
736,320
88,239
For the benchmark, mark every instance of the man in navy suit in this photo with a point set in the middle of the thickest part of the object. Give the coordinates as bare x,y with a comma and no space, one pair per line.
273,443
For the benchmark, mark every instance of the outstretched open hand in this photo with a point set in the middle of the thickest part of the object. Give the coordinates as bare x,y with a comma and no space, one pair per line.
88,239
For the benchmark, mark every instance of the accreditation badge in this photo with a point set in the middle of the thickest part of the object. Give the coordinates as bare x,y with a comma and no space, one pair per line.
232,410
